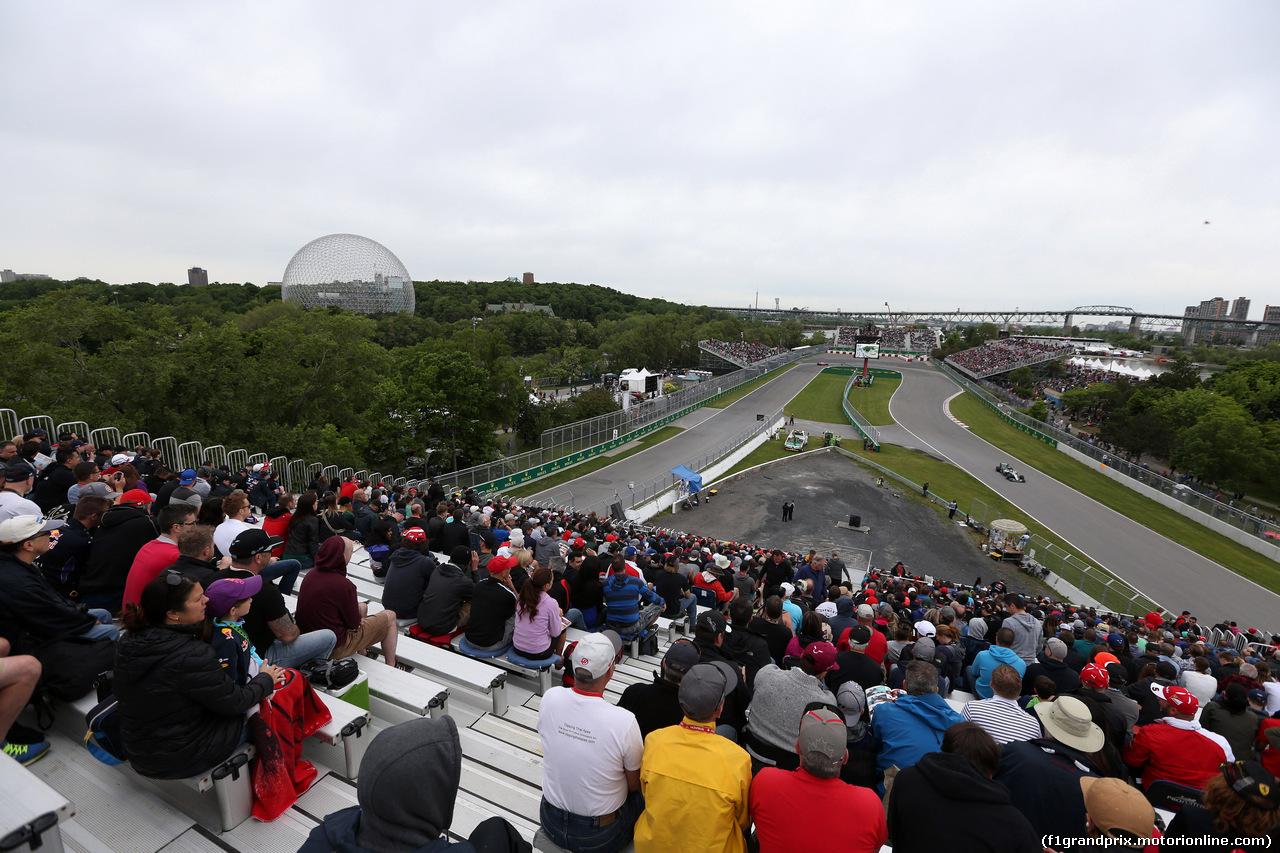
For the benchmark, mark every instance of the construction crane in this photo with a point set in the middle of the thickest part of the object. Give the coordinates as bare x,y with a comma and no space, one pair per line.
890,310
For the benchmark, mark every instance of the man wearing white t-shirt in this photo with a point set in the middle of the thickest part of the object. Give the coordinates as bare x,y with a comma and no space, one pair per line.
591,754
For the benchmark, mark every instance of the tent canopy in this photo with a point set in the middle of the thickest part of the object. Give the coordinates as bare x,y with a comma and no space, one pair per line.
1009,527
694,480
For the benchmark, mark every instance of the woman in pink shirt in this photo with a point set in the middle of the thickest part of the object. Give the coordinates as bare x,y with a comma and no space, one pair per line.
539,629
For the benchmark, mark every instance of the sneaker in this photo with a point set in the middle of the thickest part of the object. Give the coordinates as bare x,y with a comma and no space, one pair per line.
26,753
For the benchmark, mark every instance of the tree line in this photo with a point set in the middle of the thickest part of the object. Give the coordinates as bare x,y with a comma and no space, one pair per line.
232,364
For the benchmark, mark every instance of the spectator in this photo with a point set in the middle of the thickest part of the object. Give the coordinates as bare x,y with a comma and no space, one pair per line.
656,704
1026,629
1175,747
407,576
1230,718
585,591
364,514
954,788
1198,681
623,600
845,818
195,554
708,636
853,662
1117,811
780,699
1052,664
1043,775
674,588
408,785
57,479
19,480
914,724
270,626
161,552
768,624
64,563
592,755
696,785
124,529
327,600
180,712
235,507
1001,716
19,675
987,660
492,623
1241,799
332,520
742,645
446,605
302,539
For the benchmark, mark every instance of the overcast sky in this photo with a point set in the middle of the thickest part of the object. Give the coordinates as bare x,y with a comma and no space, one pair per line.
833,155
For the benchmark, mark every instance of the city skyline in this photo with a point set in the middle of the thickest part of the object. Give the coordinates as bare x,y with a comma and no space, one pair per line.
833,156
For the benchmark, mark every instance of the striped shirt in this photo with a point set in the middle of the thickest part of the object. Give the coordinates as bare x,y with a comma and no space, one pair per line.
1003,719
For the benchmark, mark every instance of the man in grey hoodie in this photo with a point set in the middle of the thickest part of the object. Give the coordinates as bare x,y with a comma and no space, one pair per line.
1027,633
408,784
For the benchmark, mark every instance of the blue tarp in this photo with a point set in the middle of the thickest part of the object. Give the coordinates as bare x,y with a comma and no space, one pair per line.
694,480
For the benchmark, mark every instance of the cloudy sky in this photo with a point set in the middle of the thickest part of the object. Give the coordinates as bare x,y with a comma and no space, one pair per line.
833,155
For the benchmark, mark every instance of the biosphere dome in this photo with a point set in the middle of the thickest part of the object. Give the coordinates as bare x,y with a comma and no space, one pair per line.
351,272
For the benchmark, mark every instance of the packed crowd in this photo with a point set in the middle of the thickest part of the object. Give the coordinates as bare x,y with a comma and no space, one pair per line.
1003,355
807,711
747,352
893,339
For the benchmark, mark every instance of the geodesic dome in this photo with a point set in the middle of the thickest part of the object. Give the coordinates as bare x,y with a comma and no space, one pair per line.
348,271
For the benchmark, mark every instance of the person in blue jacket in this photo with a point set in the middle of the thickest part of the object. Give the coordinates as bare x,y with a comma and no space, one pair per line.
229,601
914,724
986,661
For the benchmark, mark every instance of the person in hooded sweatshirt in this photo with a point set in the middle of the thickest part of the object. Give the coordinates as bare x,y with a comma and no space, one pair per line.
327,599
407,789
954,789
408,572
1027,633
914,724
986,661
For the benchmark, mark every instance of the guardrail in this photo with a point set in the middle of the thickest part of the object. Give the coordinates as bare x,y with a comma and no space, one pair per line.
1266,533
861,424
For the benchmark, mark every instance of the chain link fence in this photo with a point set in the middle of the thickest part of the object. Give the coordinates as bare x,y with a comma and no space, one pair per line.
855,417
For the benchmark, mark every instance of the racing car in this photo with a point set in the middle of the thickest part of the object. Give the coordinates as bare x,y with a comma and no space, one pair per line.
1009,474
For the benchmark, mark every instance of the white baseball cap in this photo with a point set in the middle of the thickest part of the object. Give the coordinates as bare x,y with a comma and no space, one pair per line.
596,652
925,628
20,528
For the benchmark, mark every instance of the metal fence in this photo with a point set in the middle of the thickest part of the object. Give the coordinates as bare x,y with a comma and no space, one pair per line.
1185,493
1109,591
562,441
855,417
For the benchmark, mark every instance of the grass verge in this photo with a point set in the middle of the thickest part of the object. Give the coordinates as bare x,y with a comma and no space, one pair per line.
819,400
1147,512
873,403
595,463
738,393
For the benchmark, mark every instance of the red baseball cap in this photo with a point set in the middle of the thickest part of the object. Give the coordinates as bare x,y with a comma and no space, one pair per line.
135,496
1096,676
821,656
1179,697
498,564
415,534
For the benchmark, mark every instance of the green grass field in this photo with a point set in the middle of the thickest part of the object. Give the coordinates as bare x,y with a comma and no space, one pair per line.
820,400
986,424
737,394
595,463
873,403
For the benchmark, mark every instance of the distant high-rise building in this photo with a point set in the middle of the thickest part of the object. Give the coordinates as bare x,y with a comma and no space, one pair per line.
1270,314
7,276
528,278
197,277
1198,320
1240,309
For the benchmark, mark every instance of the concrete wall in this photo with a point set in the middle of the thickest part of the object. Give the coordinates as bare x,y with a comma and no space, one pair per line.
1235,534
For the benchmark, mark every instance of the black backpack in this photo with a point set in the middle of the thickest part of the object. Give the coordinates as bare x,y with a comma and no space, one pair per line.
331,673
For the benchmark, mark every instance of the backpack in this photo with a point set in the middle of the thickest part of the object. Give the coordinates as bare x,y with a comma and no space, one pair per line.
103,737
331,673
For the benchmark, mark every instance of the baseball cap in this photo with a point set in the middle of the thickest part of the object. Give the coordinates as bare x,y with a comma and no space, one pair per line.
859,636
1253,782
710,620
704,687
1118,809
629,551
1179,697
865,612
1166,670
597,652
1095,675
187,477
136,496
826,609
681,657
498,564
254,541
96,489
925,628
119,459
1256,695
823,739
18,471
821,656
924,649
223,594
20,528
1115,641
415,534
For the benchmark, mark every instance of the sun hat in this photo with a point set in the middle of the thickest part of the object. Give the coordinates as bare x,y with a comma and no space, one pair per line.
1068,721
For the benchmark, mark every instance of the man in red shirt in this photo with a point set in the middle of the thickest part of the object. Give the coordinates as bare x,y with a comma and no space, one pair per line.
854,820
160,553
1176,747
878,647
348,488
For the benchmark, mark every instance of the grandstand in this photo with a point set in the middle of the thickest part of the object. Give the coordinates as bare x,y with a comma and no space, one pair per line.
1002,356
894,339
739,353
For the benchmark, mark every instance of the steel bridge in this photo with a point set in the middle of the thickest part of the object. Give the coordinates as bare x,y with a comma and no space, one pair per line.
1004,318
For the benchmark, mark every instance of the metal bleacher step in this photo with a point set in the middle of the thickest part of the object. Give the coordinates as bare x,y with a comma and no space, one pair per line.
285,834
194,840
500,756
522,715
512,733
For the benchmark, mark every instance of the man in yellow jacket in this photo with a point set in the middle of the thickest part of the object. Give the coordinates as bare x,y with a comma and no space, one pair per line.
696,784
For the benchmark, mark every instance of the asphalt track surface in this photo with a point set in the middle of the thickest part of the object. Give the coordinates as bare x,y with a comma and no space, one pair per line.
1169,573
704,429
